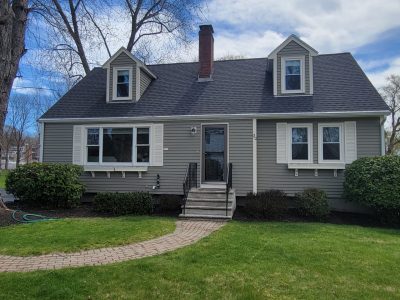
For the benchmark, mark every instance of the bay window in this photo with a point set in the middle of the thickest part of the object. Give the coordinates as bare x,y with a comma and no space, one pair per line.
117,144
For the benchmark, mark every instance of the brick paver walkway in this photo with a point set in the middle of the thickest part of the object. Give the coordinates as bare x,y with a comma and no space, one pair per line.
187,232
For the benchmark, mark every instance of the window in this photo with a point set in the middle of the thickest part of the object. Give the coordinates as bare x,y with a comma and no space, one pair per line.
122,83
331,146
93,145
300,142
117,144
292,75
143,145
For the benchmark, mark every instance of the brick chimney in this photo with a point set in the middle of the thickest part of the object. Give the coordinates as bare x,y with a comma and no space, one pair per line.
206,52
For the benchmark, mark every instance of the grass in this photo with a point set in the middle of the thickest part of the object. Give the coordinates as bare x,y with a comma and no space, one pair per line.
69,235
3,175
251,260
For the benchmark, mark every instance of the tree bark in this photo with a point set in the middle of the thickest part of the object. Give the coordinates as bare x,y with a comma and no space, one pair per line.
13,20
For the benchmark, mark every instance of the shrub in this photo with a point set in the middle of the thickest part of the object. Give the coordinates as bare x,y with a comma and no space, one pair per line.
313,203
46,185
268,204
375,182
137,203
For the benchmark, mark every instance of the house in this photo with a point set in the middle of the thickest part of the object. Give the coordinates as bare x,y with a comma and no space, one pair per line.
289,121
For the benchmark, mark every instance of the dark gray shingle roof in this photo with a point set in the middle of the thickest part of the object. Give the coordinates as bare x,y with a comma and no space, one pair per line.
239,87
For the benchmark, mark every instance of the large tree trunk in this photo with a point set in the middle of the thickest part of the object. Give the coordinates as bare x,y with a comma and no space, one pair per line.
13,19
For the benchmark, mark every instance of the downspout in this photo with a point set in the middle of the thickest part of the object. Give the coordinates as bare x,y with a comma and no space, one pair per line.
383,148
255,156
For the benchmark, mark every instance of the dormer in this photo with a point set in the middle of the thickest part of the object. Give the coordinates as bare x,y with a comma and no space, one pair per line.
127,77
293,67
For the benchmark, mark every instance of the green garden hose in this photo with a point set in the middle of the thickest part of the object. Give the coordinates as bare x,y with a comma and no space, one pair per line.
31,218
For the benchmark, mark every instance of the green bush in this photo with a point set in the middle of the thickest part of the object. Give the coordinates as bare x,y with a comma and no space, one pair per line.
267,204
137,203
375,182
46,185
313,203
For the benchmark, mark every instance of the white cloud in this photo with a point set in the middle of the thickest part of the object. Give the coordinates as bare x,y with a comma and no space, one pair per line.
379,78
25,86
329,26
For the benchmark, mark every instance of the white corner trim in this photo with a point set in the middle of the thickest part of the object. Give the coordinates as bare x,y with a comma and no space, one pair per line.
311,73
255,182
41,141
302,74
138,87
275,75
383,144
114,87
341,145
108,85
310,134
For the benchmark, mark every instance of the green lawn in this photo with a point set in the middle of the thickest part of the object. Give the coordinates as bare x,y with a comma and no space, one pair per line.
242,261
68,235
3,175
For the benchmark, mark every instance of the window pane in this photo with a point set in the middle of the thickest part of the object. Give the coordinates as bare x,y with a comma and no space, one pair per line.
93,136
299,135
93,153
330,134
331,151
293,82
292,67
123,76
300,151
123,90
142,136
143,153
117,144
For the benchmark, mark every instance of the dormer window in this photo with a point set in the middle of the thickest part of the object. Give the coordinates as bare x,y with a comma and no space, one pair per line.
293,75
122,83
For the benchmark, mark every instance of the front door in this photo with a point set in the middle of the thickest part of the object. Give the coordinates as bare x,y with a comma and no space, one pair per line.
214,156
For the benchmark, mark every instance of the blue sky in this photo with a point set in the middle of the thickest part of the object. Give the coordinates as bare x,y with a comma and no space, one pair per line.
253,28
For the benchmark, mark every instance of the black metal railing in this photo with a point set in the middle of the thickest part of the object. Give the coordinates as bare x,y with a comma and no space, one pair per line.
189,182
228,186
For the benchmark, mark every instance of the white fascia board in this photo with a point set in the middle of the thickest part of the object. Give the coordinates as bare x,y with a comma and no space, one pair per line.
305,115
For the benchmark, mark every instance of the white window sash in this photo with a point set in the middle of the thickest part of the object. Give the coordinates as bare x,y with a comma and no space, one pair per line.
115,82
283,74
309,142
321,143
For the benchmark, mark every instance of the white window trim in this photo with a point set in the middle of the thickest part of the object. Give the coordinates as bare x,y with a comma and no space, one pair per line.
134,163
283,74
115,72
320,143
309,127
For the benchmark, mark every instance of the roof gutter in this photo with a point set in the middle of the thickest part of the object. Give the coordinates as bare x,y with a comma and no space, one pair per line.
305,115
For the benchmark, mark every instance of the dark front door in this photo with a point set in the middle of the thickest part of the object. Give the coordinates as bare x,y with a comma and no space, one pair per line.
214,153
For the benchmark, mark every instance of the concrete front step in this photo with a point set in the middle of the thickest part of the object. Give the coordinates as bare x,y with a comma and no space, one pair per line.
212,203
210,211
208,195
204,217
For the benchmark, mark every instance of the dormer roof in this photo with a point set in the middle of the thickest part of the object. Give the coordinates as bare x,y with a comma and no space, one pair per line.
296,39
141,65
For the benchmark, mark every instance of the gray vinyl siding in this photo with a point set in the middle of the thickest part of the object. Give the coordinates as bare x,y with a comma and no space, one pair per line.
294,49
122,60
145,81
57,143
180,148
277,176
